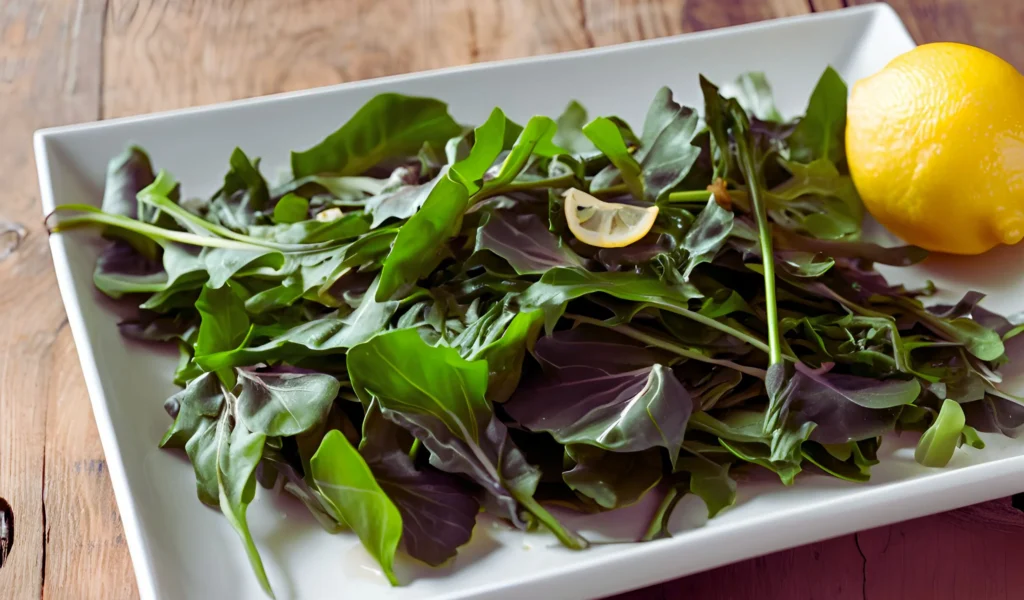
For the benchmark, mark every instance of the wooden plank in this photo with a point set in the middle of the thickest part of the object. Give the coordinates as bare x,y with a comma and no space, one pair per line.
49,75
85,536
993,25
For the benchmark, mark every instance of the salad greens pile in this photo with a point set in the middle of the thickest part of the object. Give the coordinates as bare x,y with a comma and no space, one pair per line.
404,332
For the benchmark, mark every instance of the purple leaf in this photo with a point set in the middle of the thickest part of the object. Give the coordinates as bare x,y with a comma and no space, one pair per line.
525,242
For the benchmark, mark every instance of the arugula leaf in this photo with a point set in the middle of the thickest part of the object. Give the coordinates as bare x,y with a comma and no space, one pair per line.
820,133
754,94
612,479
284,403
524,242
238,451
343,479
666,153
291,209
438,509
626,404
244,194
440,398
605,134
224,324
387,126
569,134
938,443
711,482
707,236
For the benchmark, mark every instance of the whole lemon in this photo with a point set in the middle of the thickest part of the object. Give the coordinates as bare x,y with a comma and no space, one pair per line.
935,145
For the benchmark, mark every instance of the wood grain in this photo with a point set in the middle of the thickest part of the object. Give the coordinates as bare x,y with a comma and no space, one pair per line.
49,75
993,25
76,60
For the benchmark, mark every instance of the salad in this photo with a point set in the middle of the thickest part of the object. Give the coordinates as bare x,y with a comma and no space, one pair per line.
427,320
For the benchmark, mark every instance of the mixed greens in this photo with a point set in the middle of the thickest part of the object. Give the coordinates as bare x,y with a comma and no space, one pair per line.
404,332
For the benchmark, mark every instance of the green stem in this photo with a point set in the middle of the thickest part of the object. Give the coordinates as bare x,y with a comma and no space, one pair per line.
740,335
651,340
746,160
98,218
690,196
414,450
614,190
172,209
523,186
570,539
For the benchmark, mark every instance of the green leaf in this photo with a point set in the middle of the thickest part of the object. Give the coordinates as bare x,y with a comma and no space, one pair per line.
570,130
291,209
666,153
243,195
422,241
707,235
202,399
224,324
820,133
605,134
612,479
284,404
525,242
438,509
504,354
347,483
441,399
711,482
534,139
326,335
238,452
488,142
939,441
559,285
389,125
717,122
754,94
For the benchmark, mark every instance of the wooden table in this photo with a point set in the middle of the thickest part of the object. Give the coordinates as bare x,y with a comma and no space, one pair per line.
67,61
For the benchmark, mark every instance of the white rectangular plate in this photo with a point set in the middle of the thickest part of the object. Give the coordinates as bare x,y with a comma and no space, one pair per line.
183,550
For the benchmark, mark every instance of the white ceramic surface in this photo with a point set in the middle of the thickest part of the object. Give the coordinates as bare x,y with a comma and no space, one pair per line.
182,550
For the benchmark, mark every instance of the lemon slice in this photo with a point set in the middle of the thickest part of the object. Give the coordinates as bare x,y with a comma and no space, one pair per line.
606,224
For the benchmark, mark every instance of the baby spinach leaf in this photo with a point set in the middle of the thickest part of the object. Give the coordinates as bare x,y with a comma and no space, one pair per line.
847,407
324,335
202,399
387,126
441,399
244,194
488,142
121,270
343,479
291,209
238,452
938,443
438,509
707,235
612,479
616,407
224,324
284,403
525,243
666,153
127,174
504,354
605,134
402,203
820,133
